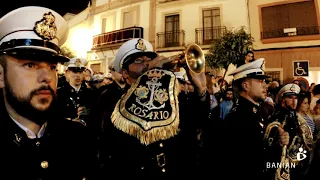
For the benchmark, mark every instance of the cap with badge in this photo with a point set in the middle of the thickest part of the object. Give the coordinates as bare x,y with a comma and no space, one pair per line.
288,90
253,69
33,32
131,49
76,64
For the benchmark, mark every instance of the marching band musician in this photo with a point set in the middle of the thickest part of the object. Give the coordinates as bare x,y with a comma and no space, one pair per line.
75,98
37,143
242,146
149,134
301,138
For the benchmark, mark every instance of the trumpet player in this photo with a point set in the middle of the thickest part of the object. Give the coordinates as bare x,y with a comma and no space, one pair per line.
296,157
150,133
244,127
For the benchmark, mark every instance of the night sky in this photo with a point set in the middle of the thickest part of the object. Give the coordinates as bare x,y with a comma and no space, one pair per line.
60,6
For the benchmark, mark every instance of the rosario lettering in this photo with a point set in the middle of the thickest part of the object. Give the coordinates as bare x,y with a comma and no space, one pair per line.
153,115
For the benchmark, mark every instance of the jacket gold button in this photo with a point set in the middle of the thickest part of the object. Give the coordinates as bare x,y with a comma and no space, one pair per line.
44,164
161,145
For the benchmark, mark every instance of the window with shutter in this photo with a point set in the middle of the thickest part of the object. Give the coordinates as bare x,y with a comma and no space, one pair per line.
300,16
211,25
172,30
275,75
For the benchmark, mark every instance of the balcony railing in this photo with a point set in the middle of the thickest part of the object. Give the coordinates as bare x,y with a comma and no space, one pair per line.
164,1
301,31
117,36
207,35
171,39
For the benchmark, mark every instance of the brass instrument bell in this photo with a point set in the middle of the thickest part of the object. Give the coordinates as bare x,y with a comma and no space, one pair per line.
193,58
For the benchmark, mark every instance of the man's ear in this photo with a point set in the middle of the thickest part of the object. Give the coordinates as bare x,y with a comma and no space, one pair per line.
1,76
124,73
245,84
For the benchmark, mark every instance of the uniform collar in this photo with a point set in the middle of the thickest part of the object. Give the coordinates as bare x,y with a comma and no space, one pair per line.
30,134
76,89
248,104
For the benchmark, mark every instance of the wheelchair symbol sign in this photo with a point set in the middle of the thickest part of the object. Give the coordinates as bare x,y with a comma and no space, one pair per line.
301,68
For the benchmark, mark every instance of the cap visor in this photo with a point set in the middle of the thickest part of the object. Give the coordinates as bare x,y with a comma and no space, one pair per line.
130,59
76,69
289,94
259,77
36,55
151,55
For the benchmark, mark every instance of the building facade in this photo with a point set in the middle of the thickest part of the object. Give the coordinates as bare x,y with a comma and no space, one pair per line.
183,22
170,25
286,32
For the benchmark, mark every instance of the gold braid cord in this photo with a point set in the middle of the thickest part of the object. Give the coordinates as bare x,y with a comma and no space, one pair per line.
146,137
283,172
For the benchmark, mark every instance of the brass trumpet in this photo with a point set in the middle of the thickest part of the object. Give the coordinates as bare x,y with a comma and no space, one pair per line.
193,58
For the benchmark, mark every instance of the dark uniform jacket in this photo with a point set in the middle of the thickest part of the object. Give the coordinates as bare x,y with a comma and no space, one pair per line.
69,100
64,151
103,108
240,152
108,99
173,157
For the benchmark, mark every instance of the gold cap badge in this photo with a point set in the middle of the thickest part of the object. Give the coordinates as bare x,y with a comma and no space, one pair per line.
46,27
293,88
77,63
140,45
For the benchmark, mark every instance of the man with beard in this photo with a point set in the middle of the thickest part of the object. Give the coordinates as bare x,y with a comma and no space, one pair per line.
37,142
227,103
151,131
299,132
242,143
75,98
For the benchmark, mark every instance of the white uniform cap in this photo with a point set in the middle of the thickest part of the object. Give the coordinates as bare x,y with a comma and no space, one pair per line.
77,63
91,71
109,76
289,89
253,69
33,27
130,48
97,77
